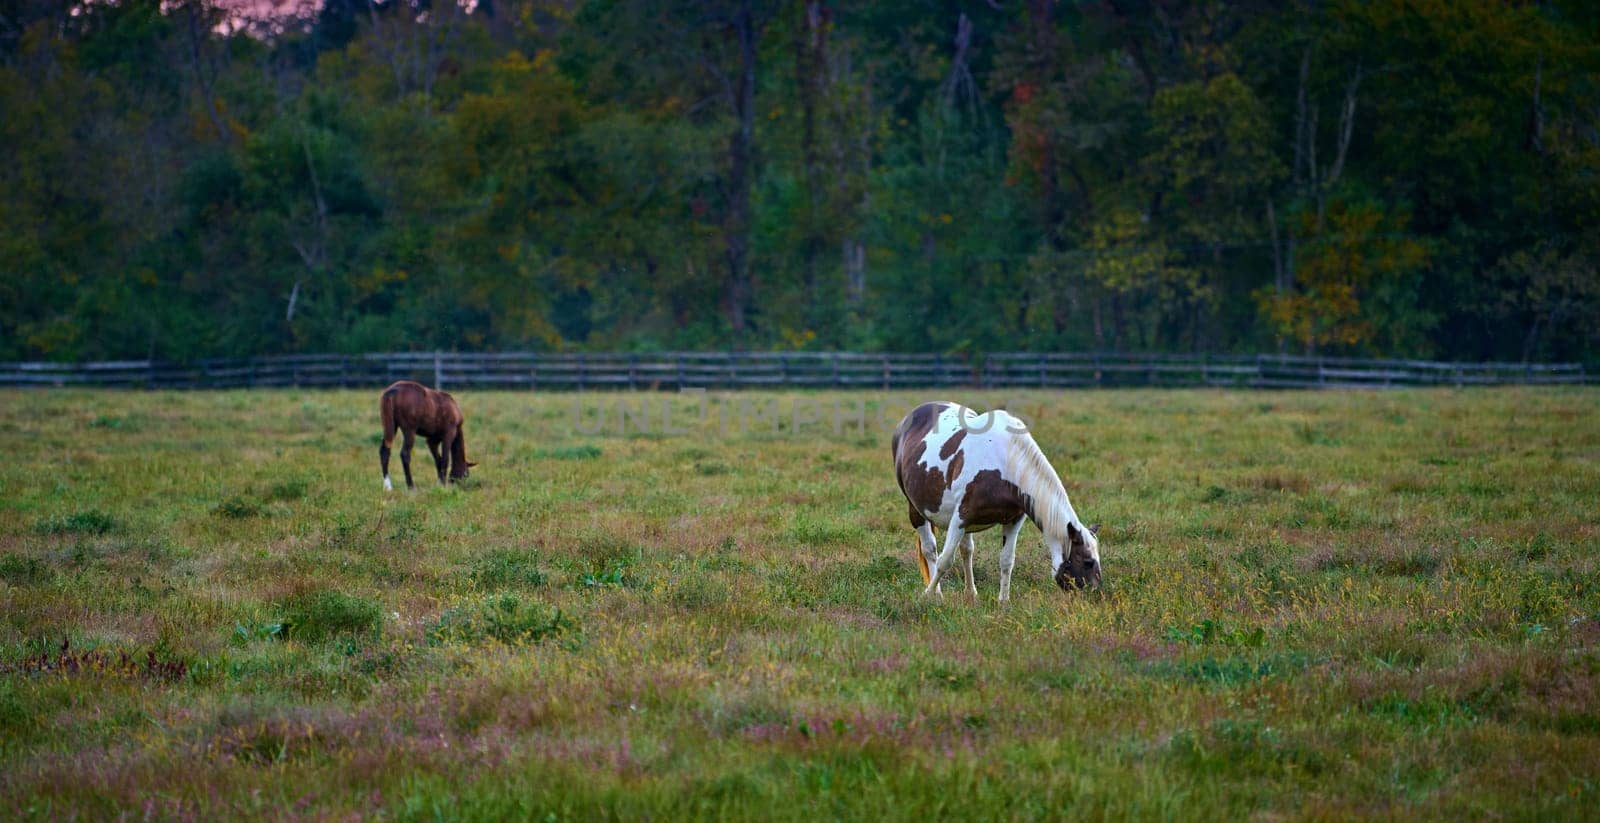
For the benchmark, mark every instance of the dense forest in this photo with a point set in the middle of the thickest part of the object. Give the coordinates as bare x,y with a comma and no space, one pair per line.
188,178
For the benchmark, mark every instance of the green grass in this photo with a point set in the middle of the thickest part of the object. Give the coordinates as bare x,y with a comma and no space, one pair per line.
1316,605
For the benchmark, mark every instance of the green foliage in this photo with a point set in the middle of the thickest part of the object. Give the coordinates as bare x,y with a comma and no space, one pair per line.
1388,177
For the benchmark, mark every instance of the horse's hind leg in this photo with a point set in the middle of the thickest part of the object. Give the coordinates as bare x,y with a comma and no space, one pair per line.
929,549
405,456
383,454
952,540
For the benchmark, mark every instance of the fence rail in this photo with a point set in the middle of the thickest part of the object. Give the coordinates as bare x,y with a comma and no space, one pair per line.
727,370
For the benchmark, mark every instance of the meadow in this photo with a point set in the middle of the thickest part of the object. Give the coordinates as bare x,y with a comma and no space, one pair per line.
1317,605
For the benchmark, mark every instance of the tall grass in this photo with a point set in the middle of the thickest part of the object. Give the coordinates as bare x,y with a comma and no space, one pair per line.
1317,605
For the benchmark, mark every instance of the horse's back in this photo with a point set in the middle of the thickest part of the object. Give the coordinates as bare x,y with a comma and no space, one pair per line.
943,448
411,405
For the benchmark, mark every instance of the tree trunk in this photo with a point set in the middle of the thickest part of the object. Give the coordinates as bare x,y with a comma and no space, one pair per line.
810,80
736,227
855,270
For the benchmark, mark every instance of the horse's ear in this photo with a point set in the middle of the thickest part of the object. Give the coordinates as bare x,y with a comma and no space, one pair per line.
1094,529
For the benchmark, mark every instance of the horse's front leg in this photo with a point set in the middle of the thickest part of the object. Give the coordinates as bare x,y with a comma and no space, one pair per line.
966,562
445,453
438,458
1008,558
946,559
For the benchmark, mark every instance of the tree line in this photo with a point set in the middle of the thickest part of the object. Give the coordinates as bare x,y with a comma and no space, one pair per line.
187,178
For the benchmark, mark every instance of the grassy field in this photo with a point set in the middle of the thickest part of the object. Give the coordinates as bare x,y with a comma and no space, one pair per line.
1317,605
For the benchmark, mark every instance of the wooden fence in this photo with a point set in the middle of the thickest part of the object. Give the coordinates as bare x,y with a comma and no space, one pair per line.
727,370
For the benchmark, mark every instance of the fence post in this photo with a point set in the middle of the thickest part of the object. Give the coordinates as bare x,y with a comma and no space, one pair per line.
835,358
886,372
438,373
633,360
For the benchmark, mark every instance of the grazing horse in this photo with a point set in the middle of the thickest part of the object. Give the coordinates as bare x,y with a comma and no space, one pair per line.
967,472
416,409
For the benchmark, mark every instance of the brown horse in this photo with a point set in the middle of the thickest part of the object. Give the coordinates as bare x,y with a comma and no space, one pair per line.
416,409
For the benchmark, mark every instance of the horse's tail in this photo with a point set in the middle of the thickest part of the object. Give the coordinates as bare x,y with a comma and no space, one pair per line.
386,412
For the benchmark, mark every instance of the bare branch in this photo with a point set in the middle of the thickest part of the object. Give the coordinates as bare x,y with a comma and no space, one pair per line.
1302,135
1346,126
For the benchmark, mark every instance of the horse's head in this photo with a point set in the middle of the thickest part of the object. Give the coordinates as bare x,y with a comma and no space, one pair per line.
461,465
1080,564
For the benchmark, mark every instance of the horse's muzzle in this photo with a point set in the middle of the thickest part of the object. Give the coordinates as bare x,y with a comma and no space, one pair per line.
1069,580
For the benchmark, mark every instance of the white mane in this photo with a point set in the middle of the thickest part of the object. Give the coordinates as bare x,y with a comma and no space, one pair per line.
1027,467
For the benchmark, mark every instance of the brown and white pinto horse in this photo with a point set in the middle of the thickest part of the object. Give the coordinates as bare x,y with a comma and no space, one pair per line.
967,472
416,409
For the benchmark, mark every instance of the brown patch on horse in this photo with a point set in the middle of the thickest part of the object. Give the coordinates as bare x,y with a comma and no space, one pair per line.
412,409
916,426
923,487
991,499
953,444
955,468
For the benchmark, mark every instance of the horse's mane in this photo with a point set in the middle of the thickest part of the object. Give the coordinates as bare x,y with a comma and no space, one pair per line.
1027,467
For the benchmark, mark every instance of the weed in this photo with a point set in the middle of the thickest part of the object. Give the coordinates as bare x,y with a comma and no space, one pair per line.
23,571
1213,631
288,490
91,521
506,568
503,618
236,507
584,452
318,615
